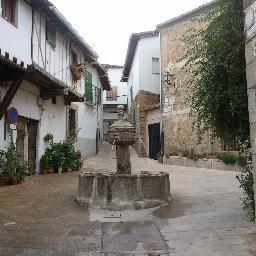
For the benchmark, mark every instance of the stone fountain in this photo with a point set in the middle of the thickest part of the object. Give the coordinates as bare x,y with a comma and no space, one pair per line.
123,190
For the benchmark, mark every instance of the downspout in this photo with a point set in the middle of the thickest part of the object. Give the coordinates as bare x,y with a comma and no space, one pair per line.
32,34
161,95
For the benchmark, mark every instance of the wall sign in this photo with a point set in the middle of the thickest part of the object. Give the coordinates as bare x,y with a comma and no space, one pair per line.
12,115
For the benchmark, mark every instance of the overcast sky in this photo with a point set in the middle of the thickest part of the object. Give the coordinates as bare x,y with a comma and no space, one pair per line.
107,24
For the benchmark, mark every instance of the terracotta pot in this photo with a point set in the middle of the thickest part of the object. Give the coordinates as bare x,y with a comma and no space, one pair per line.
50,170
44,171
14,182
160,159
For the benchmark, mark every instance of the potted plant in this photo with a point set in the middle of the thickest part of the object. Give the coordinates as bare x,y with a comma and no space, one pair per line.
48,138
16,170
77,71
44,164
160,157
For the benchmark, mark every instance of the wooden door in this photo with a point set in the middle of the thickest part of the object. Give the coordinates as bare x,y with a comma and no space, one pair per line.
21,134
32,145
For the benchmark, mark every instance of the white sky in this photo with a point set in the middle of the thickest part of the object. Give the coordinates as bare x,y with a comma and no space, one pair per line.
107,24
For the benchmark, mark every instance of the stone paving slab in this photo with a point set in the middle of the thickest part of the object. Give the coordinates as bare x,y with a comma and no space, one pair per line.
205,218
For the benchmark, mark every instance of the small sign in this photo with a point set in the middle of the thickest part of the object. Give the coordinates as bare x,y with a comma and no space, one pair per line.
13,126
12,115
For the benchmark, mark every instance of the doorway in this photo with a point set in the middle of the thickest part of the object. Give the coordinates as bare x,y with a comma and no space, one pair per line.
26,143
154,140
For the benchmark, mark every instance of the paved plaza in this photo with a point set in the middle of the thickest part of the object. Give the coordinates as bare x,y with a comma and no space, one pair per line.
205,217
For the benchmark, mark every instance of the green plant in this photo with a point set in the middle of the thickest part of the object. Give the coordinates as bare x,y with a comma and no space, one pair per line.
193,156
48,138
218,84
160,154
228,158
242,160
44,162
167,155
15,168
246,183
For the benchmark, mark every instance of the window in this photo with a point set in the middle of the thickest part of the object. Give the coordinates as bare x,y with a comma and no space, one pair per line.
51,34
9,10
155,66
99,101
88,87
112,94
54,101
73,58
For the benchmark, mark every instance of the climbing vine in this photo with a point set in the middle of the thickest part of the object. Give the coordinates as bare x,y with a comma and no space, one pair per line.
216,57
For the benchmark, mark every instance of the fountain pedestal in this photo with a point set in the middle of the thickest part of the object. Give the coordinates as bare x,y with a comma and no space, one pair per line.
123,159
123,190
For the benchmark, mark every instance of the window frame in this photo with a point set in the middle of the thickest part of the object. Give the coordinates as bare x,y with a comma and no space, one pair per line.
14,13
154,71
51,30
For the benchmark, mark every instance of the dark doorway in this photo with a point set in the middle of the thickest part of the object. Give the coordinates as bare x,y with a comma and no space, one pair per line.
97,140
154,140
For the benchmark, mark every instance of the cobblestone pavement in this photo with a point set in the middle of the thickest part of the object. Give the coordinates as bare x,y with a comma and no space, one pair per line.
205,217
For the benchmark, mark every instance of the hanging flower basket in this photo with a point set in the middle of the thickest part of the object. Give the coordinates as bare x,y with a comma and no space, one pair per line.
78,71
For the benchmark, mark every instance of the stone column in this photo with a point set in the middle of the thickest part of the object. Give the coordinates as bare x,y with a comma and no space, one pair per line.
123,159
250,50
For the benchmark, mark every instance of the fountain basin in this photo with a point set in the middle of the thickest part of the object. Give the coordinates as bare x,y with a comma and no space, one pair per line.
123,191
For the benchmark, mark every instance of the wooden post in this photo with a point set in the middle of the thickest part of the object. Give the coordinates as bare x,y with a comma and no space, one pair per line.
5,103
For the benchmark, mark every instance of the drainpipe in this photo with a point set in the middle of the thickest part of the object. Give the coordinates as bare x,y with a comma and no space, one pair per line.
32,33
161,99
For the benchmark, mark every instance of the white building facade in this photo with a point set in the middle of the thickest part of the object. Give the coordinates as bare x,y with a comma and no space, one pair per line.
38,50
118,95
142,73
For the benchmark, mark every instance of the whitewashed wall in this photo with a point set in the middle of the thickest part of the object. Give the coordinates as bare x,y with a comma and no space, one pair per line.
89,119
122,91
149,48
134,76
141,76
56,61
50,119
17,39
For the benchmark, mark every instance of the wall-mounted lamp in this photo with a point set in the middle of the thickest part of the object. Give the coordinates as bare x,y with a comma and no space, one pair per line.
169,78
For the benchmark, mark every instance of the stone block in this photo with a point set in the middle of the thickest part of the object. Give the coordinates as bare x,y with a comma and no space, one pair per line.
249,51
251,74
123,191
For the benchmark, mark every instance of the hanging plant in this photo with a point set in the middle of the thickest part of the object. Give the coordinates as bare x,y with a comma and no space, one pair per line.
78,71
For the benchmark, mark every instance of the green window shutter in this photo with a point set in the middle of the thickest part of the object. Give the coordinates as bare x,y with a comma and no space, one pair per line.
88,87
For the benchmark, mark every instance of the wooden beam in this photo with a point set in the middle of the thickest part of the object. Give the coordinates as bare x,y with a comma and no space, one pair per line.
5,103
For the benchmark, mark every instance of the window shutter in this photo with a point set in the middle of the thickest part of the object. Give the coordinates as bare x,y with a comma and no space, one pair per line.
88,87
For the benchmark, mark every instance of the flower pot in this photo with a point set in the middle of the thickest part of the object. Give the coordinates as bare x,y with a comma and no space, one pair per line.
59,170
160,159
44,171
50,170
14,182
69,170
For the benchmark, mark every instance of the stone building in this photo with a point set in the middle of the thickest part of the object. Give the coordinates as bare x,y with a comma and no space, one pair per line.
142,73
177,124
250,52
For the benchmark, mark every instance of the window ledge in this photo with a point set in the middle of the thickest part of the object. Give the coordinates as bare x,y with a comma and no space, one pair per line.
13,24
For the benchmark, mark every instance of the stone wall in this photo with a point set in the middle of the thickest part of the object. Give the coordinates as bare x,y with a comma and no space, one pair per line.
177,123
138,115
250,50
